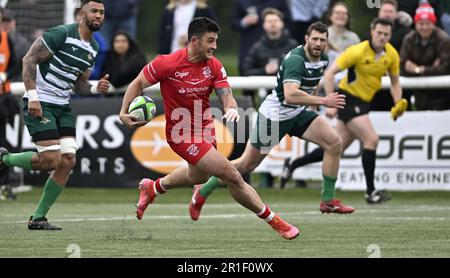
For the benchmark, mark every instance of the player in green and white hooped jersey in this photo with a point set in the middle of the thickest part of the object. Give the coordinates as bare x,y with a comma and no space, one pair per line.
57,63
286,111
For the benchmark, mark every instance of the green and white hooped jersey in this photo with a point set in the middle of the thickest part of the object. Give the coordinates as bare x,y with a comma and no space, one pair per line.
71,57
295,68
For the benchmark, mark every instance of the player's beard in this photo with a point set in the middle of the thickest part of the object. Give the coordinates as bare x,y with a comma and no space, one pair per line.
92,27
311,52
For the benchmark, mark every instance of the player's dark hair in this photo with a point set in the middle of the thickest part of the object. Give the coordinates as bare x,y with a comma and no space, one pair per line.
318,26
381,21
85,2
201,25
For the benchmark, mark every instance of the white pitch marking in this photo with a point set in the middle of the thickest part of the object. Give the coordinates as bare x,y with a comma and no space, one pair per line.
296,215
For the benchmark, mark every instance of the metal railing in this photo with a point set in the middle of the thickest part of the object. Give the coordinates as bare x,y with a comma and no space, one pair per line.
268,82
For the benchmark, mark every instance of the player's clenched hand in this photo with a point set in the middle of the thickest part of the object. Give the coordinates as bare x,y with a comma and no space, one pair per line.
103,84
35,109
231,115
399,108
334,100
131,121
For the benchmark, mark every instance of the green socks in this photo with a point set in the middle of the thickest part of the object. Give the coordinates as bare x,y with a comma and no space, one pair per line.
328,188
52,190
208,187
21,160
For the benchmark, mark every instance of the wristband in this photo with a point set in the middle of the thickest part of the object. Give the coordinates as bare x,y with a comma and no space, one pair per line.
32,95
94,90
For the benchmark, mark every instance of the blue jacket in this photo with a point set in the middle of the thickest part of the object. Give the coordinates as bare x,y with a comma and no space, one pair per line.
121,9
101,56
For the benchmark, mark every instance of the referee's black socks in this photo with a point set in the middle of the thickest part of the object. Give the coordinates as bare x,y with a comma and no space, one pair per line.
368,162
314,156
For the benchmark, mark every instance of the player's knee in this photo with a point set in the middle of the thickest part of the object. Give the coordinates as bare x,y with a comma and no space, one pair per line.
48,161
68,161
376,139
338,145
334,146
49,157
35,160
372,141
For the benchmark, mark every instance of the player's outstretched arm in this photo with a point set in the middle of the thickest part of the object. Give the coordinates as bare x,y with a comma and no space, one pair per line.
134,89
38,53
229,104
294,95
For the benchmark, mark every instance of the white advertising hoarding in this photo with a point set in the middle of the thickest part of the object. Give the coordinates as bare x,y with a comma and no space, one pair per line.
413,154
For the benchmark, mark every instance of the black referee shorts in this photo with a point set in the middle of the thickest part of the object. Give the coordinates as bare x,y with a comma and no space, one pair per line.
354,107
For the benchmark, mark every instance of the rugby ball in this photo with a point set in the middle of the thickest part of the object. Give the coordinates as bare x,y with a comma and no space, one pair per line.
142,108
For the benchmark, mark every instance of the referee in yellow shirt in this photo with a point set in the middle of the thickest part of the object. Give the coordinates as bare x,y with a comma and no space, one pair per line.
366,63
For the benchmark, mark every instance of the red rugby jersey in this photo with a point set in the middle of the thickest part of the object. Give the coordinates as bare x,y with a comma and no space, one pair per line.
185,88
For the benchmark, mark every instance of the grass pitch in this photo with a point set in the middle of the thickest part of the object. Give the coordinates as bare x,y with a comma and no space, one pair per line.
102,223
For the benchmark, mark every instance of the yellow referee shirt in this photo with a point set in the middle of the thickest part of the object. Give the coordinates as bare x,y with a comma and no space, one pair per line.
365,69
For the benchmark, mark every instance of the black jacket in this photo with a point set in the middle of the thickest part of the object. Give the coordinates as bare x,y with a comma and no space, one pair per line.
250,35
264,49
398,34
166,27
123,70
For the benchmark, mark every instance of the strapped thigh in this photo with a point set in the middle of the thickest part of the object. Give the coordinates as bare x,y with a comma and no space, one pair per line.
68,145
42,149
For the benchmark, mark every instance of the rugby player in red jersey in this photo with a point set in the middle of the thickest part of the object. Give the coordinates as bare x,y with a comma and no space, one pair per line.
187,78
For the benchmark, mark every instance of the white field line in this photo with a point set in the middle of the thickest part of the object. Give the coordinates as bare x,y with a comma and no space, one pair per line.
295,215
374,208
